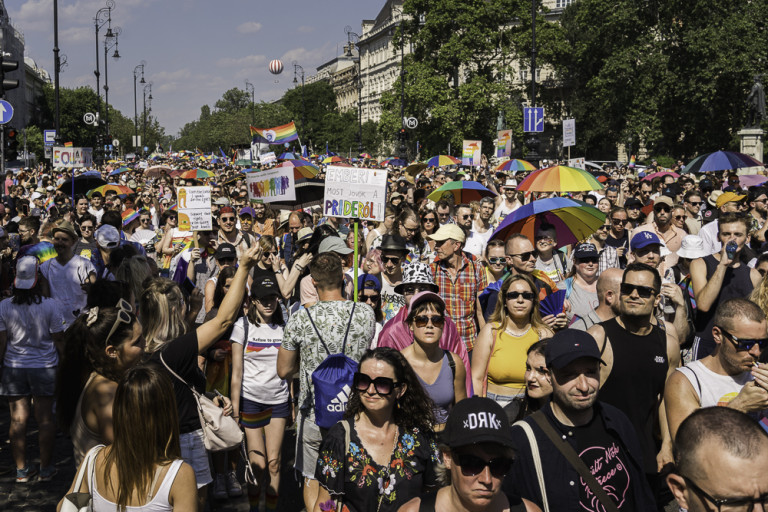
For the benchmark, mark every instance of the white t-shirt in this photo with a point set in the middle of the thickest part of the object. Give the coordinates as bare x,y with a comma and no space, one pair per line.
28,328
97,214
65,283
477,241
260,381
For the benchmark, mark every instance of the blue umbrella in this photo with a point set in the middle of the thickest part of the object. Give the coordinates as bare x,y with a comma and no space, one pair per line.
287,156
573,220
721,161
121,170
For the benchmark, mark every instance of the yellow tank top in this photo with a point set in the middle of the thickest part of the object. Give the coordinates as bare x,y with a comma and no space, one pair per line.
507,364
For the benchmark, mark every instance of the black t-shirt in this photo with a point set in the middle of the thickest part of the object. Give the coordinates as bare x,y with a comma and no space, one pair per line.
607,460
259,273
181,356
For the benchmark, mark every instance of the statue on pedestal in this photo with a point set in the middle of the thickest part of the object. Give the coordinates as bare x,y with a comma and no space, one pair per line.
755,104
500,121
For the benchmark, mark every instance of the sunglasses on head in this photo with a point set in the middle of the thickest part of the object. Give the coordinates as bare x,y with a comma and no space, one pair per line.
423,320
383,385
644,292
525,256
743,344
524,295
123,315
472,465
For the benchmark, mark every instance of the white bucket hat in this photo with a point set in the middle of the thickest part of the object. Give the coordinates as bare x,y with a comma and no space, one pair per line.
692,247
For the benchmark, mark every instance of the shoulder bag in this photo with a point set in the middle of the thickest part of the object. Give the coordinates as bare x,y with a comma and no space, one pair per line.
220,432
77,501
536,460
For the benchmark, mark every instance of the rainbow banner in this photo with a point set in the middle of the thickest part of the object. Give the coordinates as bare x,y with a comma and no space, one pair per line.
632,161
276,135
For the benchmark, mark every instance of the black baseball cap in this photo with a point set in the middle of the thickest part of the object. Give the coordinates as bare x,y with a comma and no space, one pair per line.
476,420
224,251
585,250
569,345
265,287
633,202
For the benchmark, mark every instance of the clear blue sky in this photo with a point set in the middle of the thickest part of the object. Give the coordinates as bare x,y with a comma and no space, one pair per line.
195,50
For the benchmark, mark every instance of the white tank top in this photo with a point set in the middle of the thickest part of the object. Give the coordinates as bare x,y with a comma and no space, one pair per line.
712,388
158,503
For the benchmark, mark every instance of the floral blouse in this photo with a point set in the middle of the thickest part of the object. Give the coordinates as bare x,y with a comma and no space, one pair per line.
361,481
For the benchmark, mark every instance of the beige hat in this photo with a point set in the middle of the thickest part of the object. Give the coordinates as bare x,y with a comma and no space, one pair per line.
663,200
449,231
713,197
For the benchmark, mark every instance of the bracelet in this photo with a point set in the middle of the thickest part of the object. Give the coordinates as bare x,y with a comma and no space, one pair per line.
301,269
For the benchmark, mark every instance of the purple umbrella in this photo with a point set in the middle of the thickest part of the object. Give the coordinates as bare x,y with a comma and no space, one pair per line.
749,180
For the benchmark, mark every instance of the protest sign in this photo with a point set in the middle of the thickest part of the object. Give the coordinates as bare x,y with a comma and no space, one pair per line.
569,132
267,158
578,163
353,192
194,204
271,186
72,157
470,153
504,143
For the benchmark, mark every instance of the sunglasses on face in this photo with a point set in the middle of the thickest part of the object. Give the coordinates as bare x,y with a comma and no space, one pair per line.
472,465
679,217
413,290
742,344
423,320
86,228
383,385
645,292
429,219
227,219
499,260
524,295
604,227
662,208
371,298
696,203
123,315
618,222
525,256
390,259
592,260
270,253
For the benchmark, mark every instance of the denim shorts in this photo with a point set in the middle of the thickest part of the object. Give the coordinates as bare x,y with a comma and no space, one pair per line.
510,403
252,411
193,452
28,381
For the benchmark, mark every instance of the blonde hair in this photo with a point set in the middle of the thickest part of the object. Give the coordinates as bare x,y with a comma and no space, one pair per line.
162,313
760,295
500,316
266,243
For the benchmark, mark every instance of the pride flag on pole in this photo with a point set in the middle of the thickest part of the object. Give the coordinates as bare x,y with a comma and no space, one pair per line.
276,135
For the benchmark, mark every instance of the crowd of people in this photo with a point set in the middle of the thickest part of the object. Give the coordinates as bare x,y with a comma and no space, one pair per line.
446,384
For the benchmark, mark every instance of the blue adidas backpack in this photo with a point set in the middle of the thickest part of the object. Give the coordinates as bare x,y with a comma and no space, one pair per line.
332,381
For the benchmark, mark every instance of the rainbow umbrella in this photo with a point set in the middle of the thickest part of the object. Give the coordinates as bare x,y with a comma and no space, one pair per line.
332,160
364,155
301,171
111,187
286,156
516,165
462,191
559,179
573,220
649,177
296,163
121,170
196,174
721,161
437,161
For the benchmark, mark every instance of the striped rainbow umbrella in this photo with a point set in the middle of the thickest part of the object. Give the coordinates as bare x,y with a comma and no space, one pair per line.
332,160
462,191
301,171
437,161
516,164
559,178
196,174
111,187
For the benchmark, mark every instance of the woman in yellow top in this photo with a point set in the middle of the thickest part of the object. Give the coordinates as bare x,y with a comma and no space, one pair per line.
499,356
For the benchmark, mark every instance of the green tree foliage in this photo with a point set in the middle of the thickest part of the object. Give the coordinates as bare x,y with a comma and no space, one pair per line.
671,76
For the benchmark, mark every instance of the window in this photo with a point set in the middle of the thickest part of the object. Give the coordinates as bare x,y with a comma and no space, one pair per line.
562,4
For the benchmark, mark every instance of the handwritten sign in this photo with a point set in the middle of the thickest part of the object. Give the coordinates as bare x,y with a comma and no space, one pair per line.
470,153
72,157
352,192
194,205
270,186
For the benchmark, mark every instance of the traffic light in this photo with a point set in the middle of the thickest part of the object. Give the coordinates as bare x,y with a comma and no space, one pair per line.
6,66
11,143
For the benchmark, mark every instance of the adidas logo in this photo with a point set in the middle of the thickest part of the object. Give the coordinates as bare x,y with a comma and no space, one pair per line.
339,403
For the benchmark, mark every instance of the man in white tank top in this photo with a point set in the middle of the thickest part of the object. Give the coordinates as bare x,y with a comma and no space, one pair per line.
730,376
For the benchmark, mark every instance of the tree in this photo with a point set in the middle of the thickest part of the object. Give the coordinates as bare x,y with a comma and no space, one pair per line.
233,100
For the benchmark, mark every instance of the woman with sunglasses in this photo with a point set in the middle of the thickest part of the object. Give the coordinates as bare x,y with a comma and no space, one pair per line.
407,226
441,372
98,348
172,345
269,265
391,455
429,225
86,245
498,361
369,292
261,400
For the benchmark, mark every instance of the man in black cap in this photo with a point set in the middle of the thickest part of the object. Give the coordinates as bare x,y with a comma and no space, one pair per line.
476,447
393,253
635,215
596,434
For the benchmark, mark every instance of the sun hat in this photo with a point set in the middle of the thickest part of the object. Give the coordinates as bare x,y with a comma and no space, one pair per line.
424,297
417,273
692,247
65,227
663,200
26,273
129,216
585,250
265,287
368,282
449,231
224,251
247,211
713,197
393,243
304,234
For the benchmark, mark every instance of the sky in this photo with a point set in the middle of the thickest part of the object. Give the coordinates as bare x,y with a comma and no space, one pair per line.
194,50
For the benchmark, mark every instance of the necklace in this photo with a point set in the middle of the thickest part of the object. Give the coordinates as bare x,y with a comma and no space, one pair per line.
517,335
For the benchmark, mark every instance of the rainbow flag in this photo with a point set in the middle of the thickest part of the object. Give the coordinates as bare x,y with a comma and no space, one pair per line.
257,420
276,135
49,203
68,144
632,161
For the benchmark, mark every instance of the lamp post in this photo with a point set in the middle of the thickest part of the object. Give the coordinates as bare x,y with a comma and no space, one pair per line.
108,45
296,68
354,38
56,70
533,139
135,108
249,88
144,115
103,17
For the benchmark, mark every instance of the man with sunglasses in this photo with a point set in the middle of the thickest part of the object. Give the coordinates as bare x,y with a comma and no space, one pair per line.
730,376
662,226
721,459
477,454
692,202
393,253
758,204
600,434
639,357
228,232
618,237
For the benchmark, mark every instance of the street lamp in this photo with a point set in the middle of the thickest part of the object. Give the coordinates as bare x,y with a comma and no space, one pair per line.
403,150
135,108
296,68
354,38
533,139
103,17
249,88
56,70
108,45
144,115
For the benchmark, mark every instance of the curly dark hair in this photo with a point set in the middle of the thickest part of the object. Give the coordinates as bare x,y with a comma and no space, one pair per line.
415,408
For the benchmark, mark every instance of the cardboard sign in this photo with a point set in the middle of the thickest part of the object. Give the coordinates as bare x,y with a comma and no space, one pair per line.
72,157
504,144
194,204
267,158
353,192
471,153
270,186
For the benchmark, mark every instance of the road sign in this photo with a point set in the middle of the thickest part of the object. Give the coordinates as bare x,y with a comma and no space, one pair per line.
6,112
411,122
89,118
569,132
116,143
533,119
49,137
